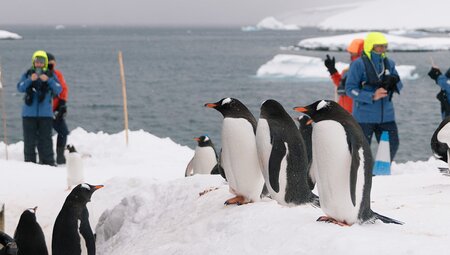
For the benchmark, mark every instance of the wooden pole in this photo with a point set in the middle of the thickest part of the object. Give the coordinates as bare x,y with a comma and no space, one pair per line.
2,217
124,94
5,137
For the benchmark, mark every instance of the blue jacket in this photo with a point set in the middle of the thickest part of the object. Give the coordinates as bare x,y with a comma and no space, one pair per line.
365,109
36,108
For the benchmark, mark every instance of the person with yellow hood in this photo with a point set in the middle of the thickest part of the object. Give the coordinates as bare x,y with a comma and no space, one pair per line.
39,86
371,82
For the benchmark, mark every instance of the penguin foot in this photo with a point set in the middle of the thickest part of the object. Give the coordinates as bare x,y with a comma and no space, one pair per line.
207,190
331,220
239,200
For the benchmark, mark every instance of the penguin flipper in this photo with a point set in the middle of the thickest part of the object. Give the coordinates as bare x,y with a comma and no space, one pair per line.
219,166
86,232
385,219
354,171
439,149
276,156
189,168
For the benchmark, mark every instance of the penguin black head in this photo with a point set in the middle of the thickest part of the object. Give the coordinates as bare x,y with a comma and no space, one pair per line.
71,148
272,109
203,141
322,110
82,193
229,107
304,121
28,216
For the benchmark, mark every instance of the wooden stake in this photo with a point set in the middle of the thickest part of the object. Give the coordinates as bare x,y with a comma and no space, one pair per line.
2,217
124,94
432,62
5,137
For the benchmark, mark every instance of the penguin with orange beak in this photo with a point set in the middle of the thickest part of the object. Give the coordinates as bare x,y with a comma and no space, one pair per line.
343,165
204,160
72,231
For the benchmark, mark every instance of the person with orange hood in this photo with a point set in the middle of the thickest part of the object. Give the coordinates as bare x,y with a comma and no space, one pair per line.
354,48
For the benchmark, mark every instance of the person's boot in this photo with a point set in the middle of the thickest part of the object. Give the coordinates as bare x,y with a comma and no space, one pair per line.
60,159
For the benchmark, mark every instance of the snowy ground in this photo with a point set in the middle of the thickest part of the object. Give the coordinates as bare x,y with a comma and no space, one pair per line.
148,206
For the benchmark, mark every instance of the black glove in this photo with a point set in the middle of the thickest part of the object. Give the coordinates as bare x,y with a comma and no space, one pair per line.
434,73
330,64
61,110
389,83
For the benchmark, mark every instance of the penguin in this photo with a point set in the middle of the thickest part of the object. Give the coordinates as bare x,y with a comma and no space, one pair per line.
239,157
440,140
75,169
305,128
8,245
72,222
29,236
205,158
282,155
342,165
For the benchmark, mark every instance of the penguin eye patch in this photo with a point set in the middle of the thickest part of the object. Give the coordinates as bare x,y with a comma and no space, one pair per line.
84,185
206,138
321,105
226,101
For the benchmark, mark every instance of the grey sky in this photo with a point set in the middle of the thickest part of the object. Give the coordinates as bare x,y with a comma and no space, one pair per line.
149,12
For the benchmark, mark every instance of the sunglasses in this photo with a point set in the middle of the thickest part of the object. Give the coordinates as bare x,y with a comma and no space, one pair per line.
380,46
39,60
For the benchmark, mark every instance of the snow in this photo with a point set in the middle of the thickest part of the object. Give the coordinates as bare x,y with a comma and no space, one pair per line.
396,43
4,35
148,207
312,68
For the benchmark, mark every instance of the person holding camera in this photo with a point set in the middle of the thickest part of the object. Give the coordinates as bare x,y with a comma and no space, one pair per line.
59,111
444,82
39,86
354,49
372,81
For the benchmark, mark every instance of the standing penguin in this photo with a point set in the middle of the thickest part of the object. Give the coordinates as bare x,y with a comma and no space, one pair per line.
29,236
239,157
73,221
283,158
343,165
205,157
440,140
75,170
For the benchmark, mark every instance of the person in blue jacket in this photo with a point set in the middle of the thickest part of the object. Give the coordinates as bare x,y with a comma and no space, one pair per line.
444,82
372,81
39,86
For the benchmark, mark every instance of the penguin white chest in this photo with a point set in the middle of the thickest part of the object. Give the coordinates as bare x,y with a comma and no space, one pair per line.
332,160
264,147
240,159
204,160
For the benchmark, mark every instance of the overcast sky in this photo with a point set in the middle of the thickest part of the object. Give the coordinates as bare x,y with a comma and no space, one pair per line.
149,12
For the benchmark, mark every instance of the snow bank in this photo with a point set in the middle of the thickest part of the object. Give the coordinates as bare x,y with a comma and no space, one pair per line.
271,23
312,68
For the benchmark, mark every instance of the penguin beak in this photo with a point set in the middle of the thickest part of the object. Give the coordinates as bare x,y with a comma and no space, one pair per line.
197,139
301,109
309,122
211,105
97,187
35,208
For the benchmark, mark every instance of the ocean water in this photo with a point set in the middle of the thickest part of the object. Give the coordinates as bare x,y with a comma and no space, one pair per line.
172,72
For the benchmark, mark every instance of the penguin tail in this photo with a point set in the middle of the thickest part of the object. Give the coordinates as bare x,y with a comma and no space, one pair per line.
315,200
385,219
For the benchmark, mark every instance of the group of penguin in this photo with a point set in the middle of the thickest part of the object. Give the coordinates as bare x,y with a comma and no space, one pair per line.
72,233
273,157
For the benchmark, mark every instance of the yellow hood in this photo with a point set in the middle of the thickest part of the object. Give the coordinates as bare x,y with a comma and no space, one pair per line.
373,38
42,54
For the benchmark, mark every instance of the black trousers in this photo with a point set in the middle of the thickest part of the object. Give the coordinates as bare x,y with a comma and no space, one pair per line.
60,127
37,133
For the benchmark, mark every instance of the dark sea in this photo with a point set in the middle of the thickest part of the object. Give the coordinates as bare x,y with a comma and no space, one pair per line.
172,72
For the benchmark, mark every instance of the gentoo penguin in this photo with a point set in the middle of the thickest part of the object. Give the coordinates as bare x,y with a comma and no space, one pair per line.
7,244
342,165
29,236
239,157
440,140
282,155
75,171
205,157
305,128
73,221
